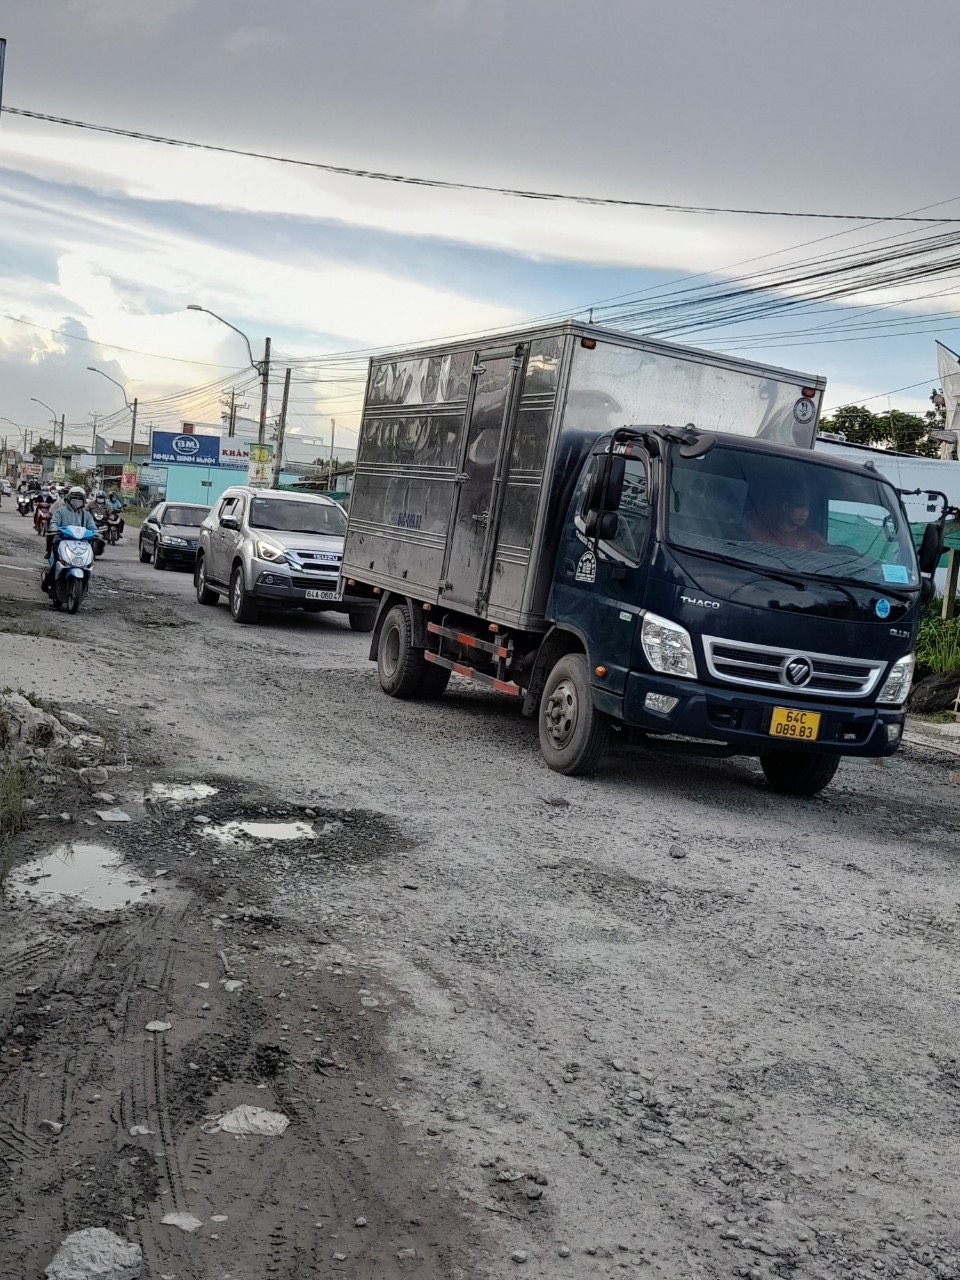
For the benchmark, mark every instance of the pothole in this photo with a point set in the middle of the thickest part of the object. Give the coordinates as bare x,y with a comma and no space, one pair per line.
180,792
91,874
230,832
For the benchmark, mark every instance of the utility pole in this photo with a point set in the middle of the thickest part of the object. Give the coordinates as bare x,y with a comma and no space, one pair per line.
232,428
265,376
281,430
133,429
63,423
333,433
93,446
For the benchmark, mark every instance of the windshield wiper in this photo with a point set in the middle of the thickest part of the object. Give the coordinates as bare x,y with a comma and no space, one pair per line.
797,582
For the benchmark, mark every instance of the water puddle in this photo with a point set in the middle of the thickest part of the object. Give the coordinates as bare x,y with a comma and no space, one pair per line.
230,832
90,874
180,792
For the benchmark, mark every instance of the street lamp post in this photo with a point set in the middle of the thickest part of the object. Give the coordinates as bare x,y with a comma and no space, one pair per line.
61,424
25,432
132,407
262,367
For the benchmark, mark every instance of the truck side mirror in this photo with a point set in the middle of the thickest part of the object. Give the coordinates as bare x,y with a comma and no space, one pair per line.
931,548
601,524
606,485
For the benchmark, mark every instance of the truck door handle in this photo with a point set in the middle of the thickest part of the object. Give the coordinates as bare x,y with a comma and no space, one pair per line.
481,519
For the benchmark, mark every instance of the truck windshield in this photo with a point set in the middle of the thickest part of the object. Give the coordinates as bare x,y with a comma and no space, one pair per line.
784,513
297,517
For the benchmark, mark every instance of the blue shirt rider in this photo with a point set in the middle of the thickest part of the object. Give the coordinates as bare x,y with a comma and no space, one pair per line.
72,512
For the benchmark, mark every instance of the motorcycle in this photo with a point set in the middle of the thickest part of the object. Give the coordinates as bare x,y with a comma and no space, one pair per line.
68,577
24,503
41,516
112,527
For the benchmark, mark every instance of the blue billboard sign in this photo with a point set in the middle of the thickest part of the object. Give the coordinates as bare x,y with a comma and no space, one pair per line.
171,447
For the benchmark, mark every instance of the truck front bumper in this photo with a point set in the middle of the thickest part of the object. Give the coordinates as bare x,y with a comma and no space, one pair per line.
741,719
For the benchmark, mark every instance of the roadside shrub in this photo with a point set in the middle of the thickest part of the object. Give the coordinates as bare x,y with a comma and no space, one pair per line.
938,642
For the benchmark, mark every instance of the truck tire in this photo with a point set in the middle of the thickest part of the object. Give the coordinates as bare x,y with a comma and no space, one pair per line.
400,667
573,733
793,773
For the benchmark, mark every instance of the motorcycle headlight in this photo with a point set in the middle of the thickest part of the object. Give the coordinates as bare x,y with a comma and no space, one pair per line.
667,647
267,551
896,687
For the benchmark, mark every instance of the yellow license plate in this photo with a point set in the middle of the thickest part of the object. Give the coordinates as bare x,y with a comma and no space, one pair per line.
801,726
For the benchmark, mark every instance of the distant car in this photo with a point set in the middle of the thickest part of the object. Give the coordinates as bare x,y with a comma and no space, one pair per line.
281,550
6,488
170,532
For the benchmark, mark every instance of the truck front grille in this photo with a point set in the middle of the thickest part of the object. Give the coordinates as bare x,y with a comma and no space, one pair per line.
796,670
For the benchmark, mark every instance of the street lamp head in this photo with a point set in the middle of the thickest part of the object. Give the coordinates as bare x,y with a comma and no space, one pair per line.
91,369
193,306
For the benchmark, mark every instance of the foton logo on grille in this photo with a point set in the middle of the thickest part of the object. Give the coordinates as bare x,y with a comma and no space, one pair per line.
796,671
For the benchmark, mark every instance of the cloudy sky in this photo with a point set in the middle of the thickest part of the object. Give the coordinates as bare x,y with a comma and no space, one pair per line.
762,104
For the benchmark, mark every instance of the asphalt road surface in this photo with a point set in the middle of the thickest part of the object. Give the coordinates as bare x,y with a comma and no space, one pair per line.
661,1022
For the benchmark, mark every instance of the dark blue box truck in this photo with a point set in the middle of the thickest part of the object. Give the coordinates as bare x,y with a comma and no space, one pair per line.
635,539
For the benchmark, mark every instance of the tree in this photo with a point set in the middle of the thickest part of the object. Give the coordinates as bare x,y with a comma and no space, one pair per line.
896,430
50,449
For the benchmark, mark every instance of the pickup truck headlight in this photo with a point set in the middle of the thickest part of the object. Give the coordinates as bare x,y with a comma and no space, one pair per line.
267,551
667,647
896,687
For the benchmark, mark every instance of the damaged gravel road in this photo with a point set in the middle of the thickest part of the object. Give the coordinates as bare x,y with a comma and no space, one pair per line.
538,1033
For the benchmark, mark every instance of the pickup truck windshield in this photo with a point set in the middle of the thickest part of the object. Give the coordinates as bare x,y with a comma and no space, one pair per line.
297,517
787,514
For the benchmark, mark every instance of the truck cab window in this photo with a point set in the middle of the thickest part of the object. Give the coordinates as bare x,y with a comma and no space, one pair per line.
633,515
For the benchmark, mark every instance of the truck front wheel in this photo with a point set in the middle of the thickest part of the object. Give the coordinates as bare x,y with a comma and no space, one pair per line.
793,773
400,666
573,733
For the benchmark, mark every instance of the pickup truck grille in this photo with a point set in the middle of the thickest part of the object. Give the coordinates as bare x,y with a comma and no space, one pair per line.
767,667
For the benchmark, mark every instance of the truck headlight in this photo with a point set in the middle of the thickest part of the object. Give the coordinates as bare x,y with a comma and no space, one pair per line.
896,687
267,551
667,647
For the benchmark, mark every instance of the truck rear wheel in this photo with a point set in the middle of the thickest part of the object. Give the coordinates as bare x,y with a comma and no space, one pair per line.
573,733
400,666
793,773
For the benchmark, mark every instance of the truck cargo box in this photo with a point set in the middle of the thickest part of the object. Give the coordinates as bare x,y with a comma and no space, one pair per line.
468,452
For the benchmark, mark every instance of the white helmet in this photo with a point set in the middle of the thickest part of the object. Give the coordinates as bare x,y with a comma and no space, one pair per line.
76,498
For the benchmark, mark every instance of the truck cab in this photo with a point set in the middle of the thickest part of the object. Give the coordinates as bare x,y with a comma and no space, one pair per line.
732,596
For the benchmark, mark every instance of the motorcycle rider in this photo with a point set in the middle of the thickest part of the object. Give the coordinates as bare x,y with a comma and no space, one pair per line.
73,512
98,507
116,505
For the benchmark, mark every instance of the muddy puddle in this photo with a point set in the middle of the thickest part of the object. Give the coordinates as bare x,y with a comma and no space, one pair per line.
240,829
180,792
90,875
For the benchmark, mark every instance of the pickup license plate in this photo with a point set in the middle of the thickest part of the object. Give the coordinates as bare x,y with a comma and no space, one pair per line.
788,722
321,595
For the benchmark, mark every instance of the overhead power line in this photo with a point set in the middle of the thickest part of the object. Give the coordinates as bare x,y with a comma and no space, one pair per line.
444,185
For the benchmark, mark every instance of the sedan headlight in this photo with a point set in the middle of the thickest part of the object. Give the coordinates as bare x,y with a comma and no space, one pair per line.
169,540
896,687
667,647
267,551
